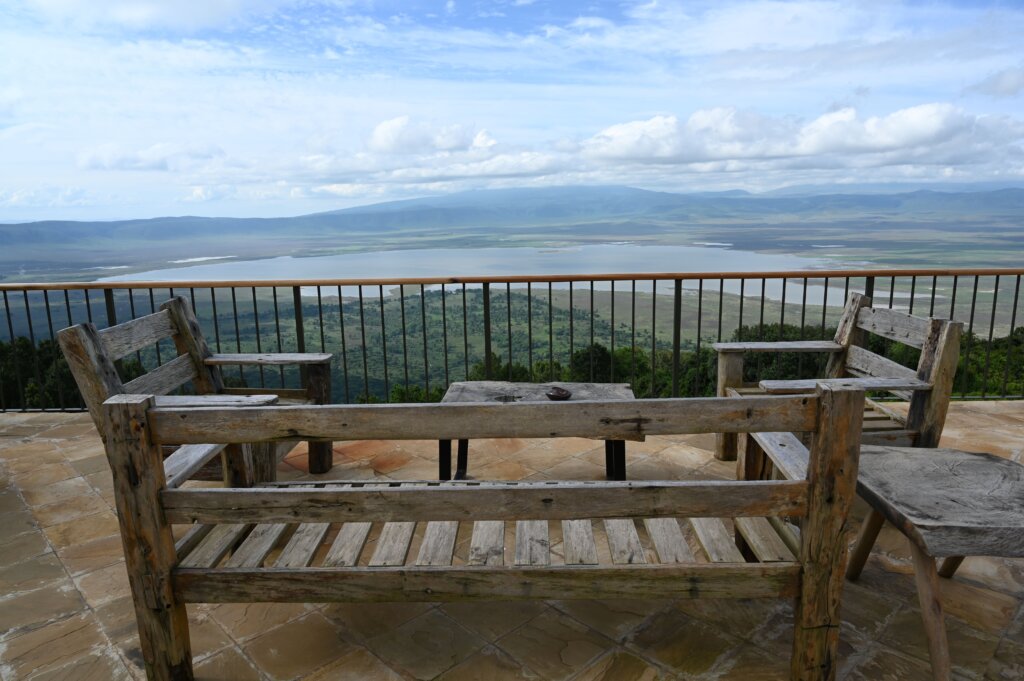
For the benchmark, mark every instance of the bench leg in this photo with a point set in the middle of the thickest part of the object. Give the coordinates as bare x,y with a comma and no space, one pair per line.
318,391
444,459
615,459
730,375
321,457
463,462
928,594
865,540
949,566
238,466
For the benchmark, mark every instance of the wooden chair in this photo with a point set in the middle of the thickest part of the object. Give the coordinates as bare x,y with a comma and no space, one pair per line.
92,355
927,389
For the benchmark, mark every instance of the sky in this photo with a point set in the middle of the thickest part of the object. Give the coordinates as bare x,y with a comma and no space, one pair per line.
113,109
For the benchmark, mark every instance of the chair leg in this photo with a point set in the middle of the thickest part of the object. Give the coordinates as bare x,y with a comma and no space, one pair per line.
928,594
949,566
865,540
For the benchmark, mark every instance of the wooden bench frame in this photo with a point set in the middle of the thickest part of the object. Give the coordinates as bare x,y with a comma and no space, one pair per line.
92,354
928,389
161,585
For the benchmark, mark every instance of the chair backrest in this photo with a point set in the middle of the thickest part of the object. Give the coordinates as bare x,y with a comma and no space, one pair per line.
91,355
939,343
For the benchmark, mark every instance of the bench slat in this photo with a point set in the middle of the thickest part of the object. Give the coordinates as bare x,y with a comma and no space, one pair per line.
393,544
268,358
124,339
487,545
214,400
868,384
348,545
260,542
464,583
867,363
164,378
716,540
668,540
302,546
763,541
191,539
578,542
186,460
438,545
532,543
214,546
898,326
624,541
789,455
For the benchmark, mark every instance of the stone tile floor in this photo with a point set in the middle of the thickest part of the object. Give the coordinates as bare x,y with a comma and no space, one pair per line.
65,612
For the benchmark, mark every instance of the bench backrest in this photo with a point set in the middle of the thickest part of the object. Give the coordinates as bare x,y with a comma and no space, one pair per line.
92,354
939,343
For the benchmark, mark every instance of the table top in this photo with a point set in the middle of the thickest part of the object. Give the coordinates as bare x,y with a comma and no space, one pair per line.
505,391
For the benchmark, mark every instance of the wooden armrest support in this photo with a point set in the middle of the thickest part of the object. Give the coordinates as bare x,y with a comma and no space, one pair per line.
269,359
868,384
780,346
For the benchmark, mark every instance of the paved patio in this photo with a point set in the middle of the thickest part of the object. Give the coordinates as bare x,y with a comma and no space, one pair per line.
65,612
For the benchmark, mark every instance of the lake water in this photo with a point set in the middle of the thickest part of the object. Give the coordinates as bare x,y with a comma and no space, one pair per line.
442,262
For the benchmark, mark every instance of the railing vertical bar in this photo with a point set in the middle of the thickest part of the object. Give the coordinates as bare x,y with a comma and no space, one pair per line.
970,338
238,331
846,289
892,290
405,335
632,335
216,324
10,333
508,310
572,316
913,292
819,363
426,360
991,332
152,310
108,299
869,287
803,322
465,334
67,306
760,322
344,343
363,337
88,305
3,393
931,306
654,334
53,339
444,332
529,328
192,299
612,362
277,330
1009,338
700,327
259,340
677,316
488,368
952,302
32,340
384,343
591,349
551,332
721,304
782,310
739,324
320,317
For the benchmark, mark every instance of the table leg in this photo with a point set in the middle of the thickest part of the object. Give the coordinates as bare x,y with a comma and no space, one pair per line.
463,460
444,459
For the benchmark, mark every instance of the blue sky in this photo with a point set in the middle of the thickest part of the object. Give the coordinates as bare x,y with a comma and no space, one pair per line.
123,108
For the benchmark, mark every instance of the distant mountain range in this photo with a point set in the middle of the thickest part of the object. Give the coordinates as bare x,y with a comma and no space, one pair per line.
493,217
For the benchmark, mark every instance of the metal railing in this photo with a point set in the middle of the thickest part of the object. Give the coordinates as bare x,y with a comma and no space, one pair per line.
407,339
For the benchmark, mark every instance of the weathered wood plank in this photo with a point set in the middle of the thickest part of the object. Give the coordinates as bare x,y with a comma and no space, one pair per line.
532,543
494,391
322,585
94,371
255,548
347,546
561,501
763,541
613,420
438,545
929,595
891,438
190,342
787,453
302,546
877,383
668,540
894,325
177,401
487,545
295,395
268,358
186,460
215,545
716,540
578,542
164,378
393,544
779,346
730,376
864,362
847,335
623,541
939,359
125,338
191,539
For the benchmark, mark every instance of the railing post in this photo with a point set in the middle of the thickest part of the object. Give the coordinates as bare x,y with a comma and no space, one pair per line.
869,287
108,298
487,331
300,330
677,314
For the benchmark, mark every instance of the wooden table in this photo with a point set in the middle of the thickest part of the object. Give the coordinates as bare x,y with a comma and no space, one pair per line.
505,391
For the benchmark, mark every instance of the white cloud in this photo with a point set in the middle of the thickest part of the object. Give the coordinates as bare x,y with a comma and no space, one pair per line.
162,157
1005,83
402,135
147,14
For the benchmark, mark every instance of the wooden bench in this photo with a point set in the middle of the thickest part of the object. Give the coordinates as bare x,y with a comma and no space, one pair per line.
927,389
92,356
358,541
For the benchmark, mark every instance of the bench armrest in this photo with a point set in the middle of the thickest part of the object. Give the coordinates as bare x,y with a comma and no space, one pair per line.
780,346
808,385
269,359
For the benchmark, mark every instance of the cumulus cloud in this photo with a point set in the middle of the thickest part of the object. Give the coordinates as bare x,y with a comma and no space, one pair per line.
160,157
402,135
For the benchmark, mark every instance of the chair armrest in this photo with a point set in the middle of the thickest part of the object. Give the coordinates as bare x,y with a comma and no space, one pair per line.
808,385
216,400
269,359
780,346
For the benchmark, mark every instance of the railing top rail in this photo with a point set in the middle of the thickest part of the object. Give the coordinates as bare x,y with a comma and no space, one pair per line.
519,279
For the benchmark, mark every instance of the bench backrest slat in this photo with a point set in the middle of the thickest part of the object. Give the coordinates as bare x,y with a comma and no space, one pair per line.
124,339
164,379
894,325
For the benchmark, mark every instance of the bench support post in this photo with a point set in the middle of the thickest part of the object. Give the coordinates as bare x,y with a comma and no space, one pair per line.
730,375
318,389
832,478
138,472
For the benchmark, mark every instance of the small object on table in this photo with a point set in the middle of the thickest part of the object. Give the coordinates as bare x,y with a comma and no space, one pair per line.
505,391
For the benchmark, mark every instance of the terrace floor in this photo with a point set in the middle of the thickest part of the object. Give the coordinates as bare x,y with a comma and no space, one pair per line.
65,612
